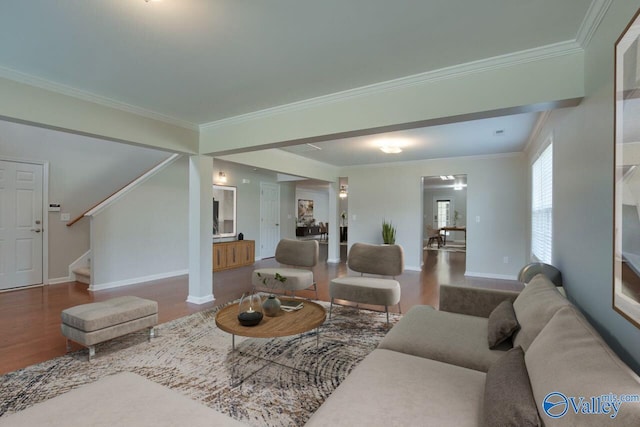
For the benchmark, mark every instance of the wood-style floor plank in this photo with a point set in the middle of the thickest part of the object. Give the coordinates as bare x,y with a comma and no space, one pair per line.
30,318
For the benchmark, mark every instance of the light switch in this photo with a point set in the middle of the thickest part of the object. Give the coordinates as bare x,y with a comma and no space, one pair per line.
65,217
478,218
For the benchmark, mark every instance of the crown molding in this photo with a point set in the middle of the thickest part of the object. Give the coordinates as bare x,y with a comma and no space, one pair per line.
61,89
569,47
593,18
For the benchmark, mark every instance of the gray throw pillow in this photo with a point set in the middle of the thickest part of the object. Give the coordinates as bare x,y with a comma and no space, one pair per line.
502,324
508,398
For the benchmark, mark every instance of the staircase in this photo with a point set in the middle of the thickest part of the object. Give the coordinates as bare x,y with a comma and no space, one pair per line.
83,274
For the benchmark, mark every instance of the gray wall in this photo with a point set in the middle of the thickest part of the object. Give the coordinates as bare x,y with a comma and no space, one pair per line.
583,189
496,192
144,235
82,172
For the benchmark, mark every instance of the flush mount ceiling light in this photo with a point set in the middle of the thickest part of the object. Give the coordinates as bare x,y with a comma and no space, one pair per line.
392,146
343,192
390,149
447,177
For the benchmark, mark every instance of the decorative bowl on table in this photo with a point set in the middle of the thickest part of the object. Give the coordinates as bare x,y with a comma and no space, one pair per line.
250,310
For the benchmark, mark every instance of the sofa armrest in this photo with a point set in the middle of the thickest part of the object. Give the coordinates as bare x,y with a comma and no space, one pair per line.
472,301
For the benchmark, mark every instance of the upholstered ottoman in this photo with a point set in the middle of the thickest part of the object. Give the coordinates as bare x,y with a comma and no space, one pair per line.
91,324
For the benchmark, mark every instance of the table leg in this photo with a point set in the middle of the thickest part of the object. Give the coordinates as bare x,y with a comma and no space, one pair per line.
233,342
317,337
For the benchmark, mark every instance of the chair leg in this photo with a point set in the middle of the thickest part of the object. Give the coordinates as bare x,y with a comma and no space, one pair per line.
330,308
399,308
386,310
315,286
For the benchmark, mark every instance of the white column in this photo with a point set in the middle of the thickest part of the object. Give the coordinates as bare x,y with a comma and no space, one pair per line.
333,254
200,229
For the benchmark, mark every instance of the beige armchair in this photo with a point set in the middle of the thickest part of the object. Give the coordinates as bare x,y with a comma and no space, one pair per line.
379,260
298,257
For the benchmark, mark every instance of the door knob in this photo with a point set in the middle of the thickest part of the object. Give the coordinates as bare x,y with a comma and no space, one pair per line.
37,230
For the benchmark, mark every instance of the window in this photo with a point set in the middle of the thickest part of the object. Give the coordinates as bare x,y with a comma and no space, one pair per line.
542,205
444,207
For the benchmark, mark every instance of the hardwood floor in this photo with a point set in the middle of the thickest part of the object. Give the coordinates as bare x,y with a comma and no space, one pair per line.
30,318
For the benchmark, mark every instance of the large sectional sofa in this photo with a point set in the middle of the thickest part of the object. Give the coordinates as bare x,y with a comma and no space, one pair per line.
434,368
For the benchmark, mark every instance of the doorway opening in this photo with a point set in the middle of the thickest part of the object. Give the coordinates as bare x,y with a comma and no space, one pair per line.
444,214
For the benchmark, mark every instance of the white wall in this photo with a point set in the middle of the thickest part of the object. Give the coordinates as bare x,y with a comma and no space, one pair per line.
583,189
144,235
82,172
495,192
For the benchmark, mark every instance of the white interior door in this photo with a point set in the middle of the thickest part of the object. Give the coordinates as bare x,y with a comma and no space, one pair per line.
269,219
20,224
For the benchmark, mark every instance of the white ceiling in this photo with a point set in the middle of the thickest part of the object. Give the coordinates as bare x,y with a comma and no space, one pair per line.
472,138
199,61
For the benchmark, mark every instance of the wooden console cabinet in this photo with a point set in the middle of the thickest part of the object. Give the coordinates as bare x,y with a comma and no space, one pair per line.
234,254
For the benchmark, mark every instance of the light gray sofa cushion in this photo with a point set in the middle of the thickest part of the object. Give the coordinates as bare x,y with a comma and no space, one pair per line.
452,338
124,399
569,357
508,399
394,389
534,307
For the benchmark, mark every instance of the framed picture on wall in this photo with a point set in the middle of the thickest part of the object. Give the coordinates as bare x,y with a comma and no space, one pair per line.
626,256
305,211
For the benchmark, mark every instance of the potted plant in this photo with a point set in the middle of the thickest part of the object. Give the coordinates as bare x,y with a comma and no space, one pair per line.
388,233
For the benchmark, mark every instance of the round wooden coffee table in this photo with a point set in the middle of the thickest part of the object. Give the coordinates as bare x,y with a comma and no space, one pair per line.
309,317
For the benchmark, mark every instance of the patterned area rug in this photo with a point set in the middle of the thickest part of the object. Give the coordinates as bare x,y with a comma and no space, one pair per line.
266,382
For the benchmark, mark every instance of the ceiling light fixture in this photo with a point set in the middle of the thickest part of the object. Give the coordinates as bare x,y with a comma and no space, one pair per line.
222,178
343,192
447,177
390,149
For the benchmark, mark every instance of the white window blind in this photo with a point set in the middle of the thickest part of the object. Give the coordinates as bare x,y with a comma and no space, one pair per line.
443,212
542,206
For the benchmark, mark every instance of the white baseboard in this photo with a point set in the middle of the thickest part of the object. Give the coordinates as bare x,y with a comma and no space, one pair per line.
491,276
200,300
133,281
412,268
59,280
333,261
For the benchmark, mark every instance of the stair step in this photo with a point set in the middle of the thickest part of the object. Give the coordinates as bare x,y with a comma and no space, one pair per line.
83,274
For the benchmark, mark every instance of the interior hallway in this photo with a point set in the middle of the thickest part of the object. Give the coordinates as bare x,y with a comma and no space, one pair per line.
30,318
